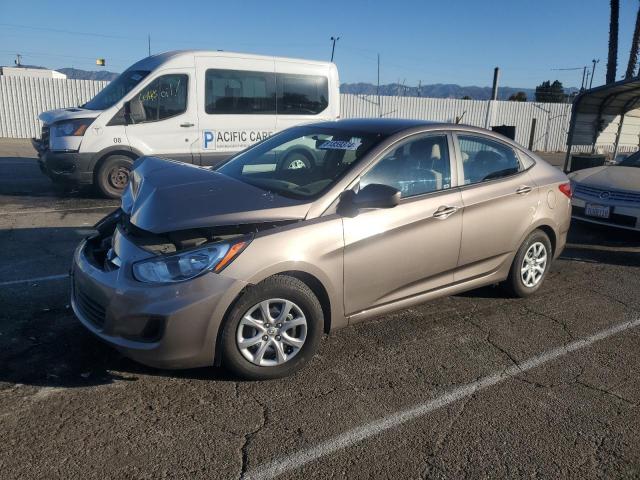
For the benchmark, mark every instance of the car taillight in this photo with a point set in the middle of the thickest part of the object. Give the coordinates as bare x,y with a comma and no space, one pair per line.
566,189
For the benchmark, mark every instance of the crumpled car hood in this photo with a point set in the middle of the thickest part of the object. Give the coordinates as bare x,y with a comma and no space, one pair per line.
611,177
165,196
67,114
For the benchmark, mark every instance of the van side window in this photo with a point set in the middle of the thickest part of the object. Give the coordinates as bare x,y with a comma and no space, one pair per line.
239,92
302,94
164,97
484,159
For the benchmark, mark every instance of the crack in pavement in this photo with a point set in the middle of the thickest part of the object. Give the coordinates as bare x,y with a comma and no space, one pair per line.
248,438
562,324
442,438
605,391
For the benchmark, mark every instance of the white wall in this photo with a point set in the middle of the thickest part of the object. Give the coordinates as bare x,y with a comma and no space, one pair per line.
22,99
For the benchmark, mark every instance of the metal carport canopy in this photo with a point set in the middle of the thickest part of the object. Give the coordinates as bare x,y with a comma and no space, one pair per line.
606,116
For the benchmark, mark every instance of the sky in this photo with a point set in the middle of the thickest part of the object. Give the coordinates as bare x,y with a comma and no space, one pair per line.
455,41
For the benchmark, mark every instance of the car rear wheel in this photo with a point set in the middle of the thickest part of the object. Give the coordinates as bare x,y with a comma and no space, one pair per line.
273,330
530,265
113,175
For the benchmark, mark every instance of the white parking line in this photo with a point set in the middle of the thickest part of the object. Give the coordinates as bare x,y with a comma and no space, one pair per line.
51,210
358,434
35,280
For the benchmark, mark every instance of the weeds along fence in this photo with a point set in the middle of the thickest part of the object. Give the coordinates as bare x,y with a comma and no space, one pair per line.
23,98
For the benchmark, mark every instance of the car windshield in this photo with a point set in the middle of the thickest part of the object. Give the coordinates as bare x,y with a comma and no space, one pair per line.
631,161
302,162
116,90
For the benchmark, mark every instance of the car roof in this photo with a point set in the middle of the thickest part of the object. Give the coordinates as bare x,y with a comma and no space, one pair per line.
386,126
391,126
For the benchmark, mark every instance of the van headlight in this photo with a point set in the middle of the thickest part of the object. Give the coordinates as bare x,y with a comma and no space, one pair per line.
71,128
188,264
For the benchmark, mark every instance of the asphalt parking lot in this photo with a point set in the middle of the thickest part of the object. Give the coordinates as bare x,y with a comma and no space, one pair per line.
475,385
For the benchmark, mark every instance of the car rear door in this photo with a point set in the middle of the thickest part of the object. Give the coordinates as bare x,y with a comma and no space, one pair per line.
396,253
500,200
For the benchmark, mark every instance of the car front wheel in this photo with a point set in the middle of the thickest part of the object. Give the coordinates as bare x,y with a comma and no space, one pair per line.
273,330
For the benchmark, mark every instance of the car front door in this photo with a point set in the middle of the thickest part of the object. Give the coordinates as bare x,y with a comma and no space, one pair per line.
164,118
500,200
396,253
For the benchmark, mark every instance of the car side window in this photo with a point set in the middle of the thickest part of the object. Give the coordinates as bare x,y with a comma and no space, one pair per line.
415,167
484,159
165,97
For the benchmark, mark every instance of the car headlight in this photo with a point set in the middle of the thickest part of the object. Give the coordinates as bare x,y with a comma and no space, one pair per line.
188,264
71,128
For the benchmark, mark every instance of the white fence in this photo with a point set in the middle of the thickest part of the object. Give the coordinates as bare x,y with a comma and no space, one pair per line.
23,98
552,119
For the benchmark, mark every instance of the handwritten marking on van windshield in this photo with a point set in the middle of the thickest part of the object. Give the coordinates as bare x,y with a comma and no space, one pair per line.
232,140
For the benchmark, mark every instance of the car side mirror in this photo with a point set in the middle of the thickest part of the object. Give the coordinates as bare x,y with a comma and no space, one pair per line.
374,195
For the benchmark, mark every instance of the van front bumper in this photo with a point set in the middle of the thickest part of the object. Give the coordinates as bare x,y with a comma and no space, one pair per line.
165,326
67,167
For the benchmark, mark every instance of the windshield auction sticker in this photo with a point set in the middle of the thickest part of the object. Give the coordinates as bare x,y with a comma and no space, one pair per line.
232,140
340,145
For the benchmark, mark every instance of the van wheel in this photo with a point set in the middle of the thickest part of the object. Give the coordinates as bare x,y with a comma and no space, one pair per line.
295,161
273,330
113,175
530,265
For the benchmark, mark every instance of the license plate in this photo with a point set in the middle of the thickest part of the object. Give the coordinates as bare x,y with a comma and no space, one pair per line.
599,211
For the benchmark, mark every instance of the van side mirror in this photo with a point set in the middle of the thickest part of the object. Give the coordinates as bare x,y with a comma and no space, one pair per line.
374,195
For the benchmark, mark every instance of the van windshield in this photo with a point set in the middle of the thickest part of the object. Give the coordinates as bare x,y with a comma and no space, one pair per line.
301,162
116,90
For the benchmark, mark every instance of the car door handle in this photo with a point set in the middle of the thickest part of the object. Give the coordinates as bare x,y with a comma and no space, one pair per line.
523,189
445,211
186,125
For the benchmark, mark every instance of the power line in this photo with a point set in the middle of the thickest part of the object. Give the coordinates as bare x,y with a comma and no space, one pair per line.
68,32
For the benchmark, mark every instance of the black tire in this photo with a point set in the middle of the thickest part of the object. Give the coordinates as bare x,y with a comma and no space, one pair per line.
113,175
515,284
294,160
280,287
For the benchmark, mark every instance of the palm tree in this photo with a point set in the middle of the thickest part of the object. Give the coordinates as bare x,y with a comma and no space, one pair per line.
635,44
612,61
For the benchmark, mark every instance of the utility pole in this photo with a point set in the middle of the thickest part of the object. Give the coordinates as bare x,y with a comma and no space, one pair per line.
378,89
333,48
419,87
584,72
149,43
587,80
496,76
593,71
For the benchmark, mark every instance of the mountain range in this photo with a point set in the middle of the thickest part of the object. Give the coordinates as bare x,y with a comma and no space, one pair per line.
437,90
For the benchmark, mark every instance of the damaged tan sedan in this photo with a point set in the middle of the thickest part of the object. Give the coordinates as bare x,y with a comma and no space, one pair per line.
248,265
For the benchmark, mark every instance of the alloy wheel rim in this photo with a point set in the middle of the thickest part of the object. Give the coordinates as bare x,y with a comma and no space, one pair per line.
534,264
271,332
296,164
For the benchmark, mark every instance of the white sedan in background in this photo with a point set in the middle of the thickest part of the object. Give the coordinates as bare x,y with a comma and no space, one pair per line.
608,195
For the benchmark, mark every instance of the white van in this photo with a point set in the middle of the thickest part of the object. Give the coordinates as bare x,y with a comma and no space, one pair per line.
199,107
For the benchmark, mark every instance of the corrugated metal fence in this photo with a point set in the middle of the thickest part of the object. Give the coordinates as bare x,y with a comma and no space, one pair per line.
552,119
23,98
